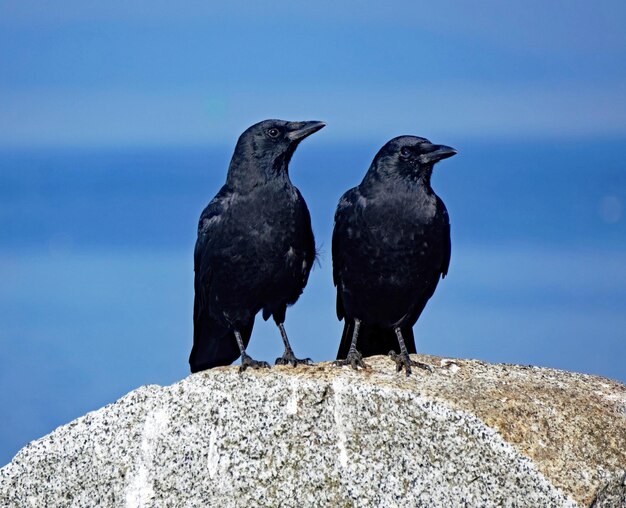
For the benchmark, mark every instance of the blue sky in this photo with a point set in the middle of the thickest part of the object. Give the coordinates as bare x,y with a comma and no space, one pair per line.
149,72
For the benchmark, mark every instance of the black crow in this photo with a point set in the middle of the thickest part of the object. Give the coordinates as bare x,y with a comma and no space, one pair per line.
391,243
255,248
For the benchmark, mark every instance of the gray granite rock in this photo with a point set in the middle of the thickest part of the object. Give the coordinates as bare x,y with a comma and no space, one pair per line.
612,494
469,434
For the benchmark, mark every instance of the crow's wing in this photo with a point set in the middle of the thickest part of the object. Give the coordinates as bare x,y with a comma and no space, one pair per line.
208,228
213,344
307,238
447,245
343,219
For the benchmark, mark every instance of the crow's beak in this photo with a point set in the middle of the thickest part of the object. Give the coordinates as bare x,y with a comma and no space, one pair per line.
300,130
436,153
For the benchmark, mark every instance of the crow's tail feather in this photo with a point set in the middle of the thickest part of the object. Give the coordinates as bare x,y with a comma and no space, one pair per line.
214,345
374,340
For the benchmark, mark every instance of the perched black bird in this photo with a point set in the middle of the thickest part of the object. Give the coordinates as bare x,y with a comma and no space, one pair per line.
391,243
255,247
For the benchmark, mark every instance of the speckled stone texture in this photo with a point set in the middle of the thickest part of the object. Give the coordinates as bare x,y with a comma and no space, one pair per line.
468,435
612,494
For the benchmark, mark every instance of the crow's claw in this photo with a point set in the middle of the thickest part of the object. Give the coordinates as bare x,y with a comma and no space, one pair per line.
289,358
406,362
354,359
247,361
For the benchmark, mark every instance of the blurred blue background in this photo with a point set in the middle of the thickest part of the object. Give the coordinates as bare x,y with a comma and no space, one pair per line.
118,119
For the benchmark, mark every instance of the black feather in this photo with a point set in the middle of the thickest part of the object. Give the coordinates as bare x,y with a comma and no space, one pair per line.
255,245
391,245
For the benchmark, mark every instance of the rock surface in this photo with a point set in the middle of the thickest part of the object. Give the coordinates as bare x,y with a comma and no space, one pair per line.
469,434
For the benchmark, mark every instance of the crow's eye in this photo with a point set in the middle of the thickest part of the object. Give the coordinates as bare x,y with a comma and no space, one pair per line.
405,152
273,132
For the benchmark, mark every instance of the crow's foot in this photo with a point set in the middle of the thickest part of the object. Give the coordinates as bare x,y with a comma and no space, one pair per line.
354,359
289,358
406,362
247,361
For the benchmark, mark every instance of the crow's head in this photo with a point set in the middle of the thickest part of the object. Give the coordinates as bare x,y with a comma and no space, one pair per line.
265,149
409,157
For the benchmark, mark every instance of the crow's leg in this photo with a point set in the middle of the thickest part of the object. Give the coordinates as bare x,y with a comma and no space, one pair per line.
246,360
403,359
354,358
288,357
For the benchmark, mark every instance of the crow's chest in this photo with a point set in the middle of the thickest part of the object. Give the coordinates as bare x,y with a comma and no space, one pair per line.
400,226
267,221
